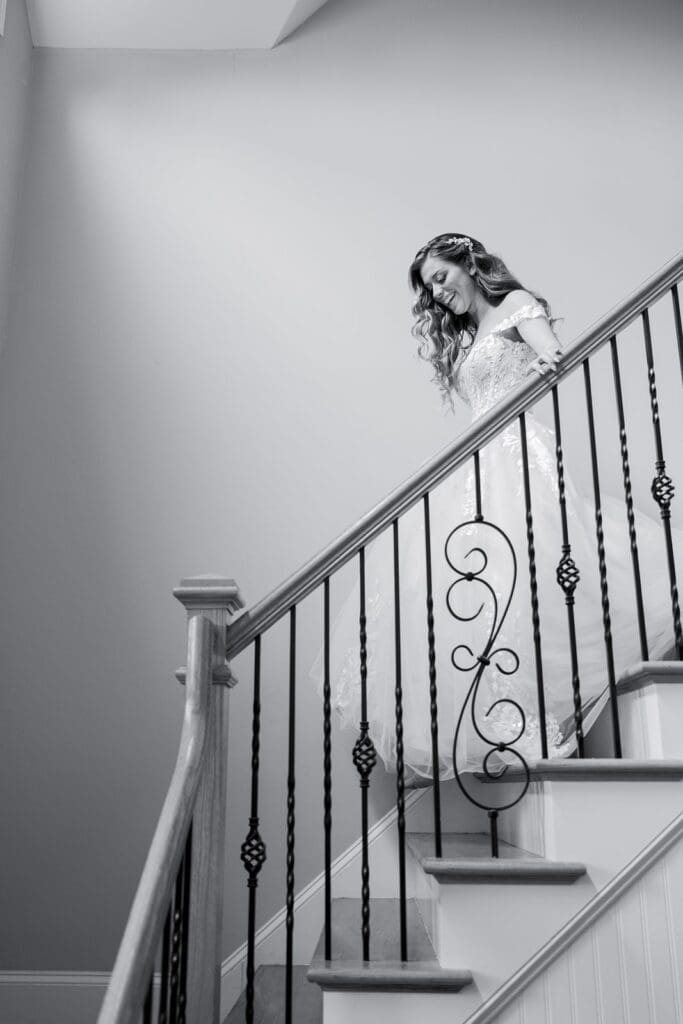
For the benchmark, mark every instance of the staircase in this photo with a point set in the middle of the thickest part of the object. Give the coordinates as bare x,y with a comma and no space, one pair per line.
561,908
543,930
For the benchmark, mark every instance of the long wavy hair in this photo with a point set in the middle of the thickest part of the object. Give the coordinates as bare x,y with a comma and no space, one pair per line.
442,334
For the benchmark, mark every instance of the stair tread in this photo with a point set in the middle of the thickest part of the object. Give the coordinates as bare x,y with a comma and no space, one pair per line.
465,846
385,971
388,976
597,768
467,856
647,673
269,997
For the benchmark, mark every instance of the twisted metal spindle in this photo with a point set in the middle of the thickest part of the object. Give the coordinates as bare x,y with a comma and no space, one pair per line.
176,939
364,759
568,576
165,964
628,497
662,488
533,585
149,997
253,850
604,589
185,930
433,703
678,325
289,915
400,775
327,767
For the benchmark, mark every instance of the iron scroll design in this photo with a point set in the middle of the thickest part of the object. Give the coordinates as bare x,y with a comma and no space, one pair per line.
498,610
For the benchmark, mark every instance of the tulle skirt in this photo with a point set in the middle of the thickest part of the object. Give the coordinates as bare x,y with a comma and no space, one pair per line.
482,609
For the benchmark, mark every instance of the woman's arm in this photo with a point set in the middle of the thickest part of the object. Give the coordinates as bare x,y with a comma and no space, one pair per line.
539,335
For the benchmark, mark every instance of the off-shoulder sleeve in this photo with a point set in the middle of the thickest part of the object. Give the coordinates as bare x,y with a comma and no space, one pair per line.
530,311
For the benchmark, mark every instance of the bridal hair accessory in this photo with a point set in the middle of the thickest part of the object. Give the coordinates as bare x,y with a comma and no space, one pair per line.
458,240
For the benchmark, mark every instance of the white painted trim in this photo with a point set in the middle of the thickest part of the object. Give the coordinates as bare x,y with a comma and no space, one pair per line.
33,997
70,997
58,978
233,970
3,14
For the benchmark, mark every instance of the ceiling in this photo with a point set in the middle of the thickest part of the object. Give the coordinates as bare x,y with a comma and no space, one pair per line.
166,24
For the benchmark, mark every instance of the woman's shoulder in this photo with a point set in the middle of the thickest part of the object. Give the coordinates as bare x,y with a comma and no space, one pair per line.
517,306
516,300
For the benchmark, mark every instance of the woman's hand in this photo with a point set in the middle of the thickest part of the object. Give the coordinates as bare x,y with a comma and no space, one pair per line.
546,363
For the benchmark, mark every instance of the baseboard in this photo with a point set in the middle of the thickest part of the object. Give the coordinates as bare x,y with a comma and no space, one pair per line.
51,997
75,997
309,910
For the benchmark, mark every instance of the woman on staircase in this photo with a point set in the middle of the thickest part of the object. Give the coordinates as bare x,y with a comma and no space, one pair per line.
483,334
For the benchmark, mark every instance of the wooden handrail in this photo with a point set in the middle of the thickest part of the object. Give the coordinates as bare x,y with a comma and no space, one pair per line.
244,629
135,961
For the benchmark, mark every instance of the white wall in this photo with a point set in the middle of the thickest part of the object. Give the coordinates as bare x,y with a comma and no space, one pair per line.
15,72
210,368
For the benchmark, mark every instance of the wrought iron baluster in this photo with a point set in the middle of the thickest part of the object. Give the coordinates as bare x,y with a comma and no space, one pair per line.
678,325
628,497
176,938
433,704
400,775
493,818
364,759
147,1009
480,663
289,919
185,929
533,585
327,768
478,517
165,963
253,850
604,589
568,575
662,488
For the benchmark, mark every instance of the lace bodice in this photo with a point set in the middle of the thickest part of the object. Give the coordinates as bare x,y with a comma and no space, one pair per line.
494,364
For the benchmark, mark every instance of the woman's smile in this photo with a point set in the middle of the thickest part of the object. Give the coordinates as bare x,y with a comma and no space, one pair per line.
451,285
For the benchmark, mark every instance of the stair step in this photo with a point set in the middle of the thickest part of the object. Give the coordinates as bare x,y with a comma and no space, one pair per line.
650,673
597,811
600,769
385,972
650,705
269,998
467,858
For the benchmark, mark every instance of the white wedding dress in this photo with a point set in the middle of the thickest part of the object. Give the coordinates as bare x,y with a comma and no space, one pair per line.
487,370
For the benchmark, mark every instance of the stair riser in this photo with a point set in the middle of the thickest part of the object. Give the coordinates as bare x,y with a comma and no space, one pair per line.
602,824
652,722
400,1007
457,813
495,927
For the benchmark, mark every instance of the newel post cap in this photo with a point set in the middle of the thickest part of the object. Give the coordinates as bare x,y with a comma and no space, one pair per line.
208,592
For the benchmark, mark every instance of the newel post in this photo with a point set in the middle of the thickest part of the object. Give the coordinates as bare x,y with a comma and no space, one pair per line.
216,599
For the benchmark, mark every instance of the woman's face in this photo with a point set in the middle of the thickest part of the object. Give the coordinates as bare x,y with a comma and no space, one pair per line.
450,284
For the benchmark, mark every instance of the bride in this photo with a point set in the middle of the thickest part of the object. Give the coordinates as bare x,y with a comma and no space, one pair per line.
483,334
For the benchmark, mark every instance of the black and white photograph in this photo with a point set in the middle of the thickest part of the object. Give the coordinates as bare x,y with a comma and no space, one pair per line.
341,512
